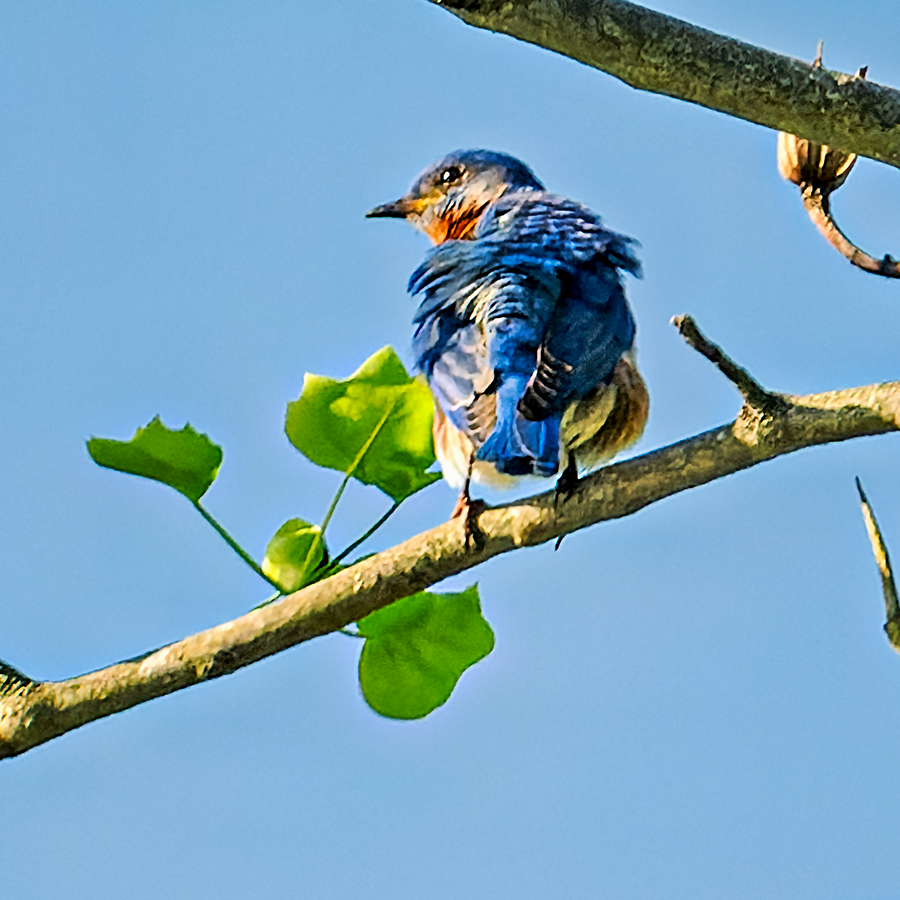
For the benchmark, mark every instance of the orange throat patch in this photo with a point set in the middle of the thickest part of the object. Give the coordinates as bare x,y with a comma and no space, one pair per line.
455,226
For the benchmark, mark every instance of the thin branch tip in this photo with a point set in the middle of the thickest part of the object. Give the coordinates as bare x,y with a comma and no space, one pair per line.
818,209
754,394
885,570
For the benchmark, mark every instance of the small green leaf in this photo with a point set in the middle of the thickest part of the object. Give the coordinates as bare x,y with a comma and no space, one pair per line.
417,648
294,554
184,460
375,425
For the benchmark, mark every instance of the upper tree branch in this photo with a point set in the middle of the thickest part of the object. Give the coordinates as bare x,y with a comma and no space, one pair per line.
658,53
34,712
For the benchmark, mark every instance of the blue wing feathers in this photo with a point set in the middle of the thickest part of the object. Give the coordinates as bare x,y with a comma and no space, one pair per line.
539,282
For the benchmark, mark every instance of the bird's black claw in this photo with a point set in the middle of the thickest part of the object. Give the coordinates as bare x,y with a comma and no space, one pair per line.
566,483
474,534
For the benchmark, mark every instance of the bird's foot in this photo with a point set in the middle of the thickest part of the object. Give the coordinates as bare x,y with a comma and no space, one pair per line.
566,483
565,487
471,510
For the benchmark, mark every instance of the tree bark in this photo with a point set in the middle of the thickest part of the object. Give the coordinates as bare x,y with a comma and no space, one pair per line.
33,712
661,54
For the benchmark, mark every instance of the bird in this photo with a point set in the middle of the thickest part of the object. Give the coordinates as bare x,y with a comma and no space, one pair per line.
523,332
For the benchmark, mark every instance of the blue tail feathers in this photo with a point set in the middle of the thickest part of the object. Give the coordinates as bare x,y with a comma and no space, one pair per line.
518,446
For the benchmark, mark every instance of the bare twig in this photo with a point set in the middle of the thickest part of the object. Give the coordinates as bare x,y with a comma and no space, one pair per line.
753,392
818,206
883,561
817,62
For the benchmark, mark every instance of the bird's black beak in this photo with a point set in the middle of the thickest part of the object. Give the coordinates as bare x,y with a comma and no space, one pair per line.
398,209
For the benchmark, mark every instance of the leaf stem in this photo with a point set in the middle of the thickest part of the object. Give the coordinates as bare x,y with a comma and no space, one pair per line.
334,502
276,596
348,550
353,466
317,540
236,546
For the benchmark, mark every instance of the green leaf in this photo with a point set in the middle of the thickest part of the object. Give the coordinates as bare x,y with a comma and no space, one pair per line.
294,554
417,648
375,425
184,460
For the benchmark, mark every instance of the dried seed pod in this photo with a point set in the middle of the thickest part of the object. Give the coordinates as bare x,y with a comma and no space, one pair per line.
818,170
811,165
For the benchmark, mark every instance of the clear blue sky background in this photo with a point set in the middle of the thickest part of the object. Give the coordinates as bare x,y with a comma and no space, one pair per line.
695,702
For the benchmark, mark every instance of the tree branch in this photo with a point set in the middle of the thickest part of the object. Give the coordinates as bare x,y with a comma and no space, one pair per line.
754,393
818,206
32,713
883,561
654,52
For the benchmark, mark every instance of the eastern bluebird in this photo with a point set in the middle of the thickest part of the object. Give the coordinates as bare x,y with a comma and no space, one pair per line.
523,331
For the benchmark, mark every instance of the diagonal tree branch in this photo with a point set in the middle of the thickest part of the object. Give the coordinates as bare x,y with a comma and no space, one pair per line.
32,713
883,561
654,52
754,394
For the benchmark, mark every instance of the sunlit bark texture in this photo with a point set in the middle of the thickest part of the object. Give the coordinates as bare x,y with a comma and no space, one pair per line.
658,53
769,425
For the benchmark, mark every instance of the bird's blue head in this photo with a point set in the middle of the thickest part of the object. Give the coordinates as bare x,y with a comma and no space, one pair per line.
448,198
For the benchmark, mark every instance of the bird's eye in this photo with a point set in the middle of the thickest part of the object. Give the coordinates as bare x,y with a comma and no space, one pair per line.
451,174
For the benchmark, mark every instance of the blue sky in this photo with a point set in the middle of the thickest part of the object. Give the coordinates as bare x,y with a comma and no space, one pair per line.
695,702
